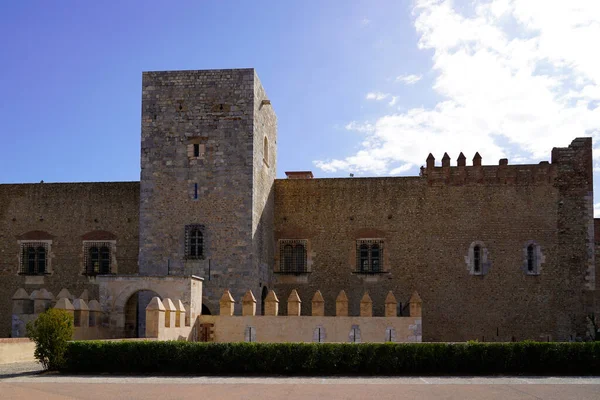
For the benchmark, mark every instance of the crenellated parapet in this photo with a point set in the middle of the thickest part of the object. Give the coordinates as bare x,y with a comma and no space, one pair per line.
316,327
167,319
576,157
88,318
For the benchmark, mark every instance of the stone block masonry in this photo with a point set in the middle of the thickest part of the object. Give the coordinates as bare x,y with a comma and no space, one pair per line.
225,190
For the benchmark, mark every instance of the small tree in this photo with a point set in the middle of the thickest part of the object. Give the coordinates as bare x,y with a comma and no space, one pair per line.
51,331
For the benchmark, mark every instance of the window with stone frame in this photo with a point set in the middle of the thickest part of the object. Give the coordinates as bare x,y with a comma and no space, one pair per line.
194,242
34,257
196,148
477,259
532,258
293,256
369,256
98,257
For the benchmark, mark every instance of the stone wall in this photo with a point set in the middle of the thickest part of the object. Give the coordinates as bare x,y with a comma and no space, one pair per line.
263,196
16,350
428,224
65,212
282,329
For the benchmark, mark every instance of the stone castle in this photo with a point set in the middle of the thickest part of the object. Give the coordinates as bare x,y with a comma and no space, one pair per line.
496,252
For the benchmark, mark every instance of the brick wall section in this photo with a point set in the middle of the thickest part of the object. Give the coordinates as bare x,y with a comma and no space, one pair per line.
216,108
68,211
428,223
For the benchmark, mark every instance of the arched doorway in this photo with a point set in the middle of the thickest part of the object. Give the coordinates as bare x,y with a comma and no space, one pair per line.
265,292
205,310
135,313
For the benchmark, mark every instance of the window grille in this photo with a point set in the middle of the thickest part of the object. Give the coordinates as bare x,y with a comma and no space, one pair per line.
194,242
97,258
369,256
292,258
34,258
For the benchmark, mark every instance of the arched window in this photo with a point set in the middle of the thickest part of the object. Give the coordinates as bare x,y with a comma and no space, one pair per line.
266,150
31,260
477,259
34,258
375,257
292,256
299,258
98,258
369,255
364,258
94,263
533,258
288,258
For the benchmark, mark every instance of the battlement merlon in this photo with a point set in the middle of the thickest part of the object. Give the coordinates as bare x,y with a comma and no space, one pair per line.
575,159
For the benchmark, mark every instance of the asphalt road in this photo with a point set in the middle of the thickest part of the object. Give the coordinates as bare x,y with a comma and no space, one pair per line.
26,382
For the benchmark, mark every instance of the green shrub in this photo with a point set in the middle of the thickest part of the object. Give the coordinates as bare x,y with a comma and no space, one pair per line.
51,331
301,359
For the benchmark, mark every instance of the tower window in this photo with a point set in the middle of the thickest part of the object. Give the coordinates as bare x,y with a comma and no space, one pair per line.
197,150
369,256
194,242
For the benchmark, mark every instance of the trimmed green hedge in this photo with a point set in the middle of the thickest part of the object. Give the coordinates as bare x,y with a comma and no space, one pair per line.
305,359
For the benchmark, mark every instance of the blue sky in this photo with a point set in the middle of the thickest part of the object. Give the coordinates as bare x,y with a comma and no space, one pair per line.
363,87
71,74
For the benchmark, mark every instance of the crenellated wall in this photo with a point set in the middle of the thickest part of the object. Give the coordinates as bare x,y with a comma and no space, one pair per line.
428,226
249,327
89,319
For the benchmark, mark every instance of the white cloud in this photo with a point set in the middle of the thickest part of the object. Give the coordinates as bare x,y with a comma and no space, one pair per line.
514,79
377,96
393,100
409,79
401,169
365,21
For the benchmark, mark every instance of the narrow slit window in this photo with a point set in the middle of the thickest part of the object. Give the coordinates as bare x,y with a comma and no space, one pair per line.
196,150
530,258
477,259
195,191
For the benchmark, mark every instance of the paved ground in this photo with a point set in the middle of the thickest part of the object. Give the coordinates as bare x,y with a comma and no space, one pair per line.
24,381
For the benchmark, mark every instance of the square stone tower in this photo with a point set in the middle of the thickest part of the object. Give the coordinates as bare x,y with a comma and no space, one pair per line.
208,159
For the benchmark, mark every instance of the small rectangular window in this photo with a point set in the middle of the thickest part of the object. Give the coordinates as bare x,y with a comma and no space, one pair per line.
196,150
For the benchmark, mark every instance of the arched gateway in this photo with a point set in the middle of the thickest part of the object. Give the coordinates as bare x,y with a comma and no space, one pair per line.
125,298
